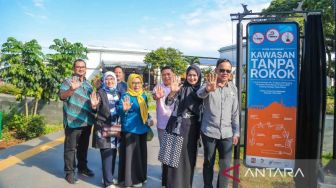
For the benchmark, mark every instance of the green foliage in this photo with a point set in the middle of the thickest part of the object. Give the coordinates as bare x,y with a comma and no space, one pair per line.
206,71
26,66
328,24
243,102
60,65
9,89
49,128
8,116
326,157
167,57
330,105
192,60
330,91
26,127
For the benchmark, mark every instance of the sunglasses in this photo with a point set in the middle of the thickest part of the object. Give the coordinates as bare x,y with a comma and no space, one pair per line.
225,70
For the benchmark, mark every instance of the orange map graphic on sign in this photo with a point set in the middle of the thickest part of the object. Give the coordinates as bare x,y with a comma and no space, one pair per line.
271,131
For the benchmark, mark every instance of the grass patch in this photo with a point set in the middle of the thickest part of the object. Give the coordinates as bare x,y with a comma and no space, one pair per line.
330,105
51,128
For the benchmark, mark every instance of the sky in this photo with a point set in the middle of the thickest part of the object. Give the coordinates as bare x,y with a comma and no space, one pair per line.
195,27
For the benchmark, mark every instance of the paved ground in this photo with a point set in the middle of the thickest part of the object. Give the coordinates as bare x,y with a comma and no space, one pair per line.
45,169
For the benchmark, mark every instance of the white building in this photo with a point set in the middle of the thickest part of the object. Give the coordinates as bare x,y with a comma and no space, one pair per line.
100,57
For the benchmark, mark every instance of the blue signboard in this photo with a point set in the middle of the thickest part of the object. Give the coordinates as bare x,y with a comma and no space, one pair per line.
272,86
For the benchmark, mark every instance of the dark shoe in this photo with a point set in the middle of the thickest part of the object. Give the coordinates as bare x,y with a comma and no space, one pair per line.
86,172
70,178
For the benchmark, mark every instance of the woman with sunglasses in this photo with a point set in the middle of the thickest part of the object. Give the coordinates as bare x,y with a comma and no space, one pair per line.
186,113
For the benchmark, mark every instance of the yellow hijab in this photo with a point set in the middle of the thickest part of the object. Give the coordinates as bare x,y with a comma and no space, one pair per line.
138,95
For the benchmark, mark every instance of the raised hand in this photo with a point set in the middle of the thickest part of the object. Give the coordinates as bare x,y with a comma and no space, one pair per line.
126,104
211,84
159,92
175,84
74,84
94,100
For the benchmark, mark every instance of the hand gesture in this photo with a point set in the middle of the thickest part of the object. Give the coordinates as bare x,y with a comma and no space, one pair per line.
159,93
211,84
74,84
175,85
94,100
126,104
235,140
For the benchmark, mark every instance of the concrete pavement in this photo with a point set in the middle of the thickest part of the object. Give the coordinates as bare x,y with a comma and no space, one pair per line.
45,169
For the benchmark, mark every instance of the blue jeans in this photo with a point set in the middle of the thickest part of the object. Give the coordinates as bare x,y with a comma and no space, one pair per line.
224,147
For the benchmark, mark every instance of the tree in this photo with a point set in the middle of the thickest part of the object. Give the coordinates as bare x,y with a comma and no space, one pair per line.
60,65
26,68
167,57
192,60
326,6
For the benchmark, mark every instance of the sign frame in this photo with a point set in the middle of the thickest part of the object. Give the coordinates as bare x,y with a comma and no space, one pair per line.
247,85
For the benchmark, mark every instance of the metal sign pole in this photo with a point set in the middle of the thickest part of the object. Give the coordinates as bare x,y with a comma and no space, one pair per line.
236,154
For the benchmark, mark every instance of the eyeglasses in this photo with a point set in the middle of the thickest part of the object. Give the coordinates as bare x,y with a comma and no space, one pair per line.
136,83
80,67
225,70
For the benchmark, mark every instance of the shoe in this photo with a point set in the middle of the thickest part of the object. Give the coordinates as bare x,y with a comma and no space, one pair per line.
115,181
138,185
111,186
70,178
144,181
86,172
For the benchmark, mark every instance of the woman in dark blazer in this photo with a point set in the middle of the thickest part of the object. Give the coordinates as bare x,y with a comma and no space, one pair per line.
105,102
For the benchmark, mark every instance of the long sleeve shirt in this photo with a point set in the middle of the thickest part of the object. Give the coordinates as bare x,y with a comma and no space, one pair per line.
131,120
220,112
163,111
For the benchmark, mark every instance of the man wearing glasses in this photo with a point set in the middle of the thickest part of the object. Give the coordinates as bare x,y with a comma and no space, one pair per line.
220,123
77,119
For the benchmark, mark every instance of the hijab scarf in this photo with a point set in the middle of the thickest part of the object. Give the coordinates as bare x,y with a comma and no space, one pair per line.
112,90
138,95
189,101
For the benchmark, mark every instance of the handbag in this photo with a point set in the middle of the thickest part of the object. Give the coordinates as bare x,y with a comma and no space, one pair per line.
111,130
150,135
171,147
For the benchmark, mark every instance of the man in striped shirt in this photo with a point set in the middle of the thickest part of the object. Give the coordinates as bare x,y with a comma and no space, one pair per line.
78,119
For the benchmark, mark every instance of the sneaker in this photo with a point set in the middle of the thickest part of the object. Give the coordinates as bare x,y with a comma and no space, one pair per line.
70,178
115,181
111,186
144,181
86,172
137,185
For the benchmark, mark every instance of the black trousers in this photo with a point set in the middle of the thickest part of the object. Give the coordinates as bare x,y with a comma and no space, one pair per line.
108,157
224,147
76,145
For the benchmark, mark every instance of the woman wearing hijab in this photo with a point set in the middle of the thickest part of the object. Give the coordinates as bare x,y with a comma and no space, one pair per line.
133,146
105,102
186,113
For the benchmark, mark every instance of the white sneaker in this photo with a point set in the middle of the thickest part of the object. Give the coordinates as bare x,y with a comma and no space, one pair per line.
115,181
144,181
111,186
137,185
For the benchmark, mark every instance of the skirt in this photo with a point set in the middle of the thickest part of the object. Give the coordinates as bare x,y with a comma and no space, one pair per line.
182,177
132,159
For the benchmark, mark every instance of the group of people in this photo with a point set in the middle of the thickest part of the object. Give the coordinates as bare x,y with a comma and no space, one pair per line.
209,112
